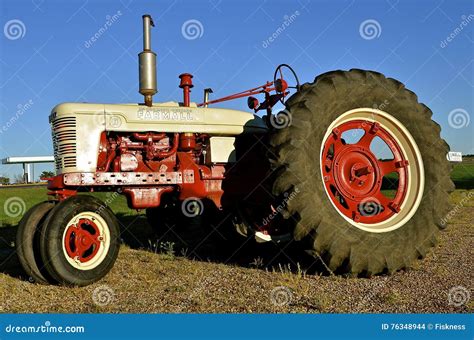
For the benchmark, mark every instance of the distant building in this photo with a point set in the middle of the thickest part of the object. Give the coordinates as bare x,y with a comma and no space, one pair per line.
28,164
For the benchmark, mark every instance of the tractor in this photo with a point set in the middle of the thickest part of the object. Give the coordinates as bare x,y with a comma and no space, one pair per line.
310,174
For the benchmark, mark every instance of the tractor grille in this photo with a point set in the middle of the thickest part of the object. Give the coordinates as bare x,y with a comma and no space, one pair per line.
64,142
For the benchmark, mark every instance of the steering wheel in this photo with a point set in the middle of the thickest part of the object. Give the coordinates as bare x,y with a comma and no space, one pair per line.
280,83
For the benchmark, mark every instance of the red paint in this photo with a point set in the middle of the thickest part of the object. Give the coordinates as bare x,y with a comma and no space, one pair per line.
187,142
104,159
186,84
160,166
82,240
353,175
62,193
148,136
142,198
263,89
281,85
162,163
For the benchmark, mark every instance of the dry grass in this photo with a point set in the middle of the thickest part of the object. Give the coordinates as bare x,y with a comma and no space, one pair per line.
154,280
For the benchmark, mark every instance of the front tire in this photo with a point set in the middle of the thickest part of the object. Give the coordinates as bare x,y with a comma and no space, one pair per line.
333,177
27,242
80,241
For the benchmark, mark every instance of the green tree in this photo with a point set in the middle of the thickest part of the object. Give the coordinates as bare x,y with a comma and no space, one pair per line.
4,180
46,174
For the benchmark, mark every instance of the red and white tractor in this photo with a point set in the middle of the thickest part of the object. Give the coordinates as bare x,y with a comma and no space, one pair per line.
310,174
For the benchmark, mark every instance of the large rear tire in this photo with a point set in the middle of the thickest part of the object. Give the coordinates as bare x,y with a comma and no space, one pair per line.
329,219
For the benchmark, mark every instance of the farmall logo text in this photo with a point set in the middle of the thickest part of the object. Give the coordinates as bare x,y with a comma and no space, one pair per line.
165,114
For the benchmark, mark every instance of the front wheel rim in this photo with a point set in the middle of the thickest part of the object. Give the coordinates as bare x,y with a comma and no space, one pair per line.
86,241
352,175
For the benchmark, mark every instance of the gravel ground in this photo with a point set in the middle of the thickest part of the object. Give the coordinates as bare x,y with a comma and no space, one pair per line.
143,281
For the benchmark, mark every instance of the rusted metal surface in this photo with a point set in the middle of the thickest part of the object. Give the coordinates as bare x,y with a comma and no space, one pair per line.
143,198
122,178
128,162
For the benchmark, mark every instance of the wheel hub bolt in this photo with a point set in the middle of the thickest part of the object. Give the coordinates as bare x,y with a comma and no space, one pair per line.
355,216
364,171
359,170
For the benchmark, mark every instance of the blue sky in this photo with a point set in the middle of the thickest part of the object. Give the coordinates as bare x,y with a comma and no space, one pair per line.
48,60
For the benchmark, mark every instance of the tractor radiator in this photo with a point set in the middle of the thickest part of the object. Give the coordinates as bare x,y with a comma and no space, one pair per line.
64,143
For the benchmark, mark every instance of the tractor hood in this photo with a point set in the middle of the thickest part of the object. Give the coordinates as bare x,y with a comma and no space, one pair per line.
77,127
161,117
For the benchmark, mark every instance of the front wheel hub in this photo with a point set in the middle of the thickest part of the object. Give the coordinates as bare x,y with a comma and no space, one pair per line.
86,240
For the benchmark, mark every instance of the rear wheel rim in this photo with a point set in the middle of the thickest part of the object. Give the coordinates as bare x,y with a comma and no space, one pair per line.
86,240
352,175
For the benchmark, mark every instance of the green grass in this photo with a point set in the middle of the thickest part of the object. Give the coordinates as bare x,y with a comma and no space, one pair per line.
14,202
462,176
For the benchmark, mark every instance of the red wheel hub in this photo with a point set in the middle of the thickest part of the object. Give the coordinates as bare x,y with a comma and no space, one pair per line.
82,240
353,175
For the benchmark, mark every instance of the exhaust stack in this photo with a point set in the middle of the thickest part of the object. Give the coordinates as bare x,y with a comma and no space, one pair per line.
147,63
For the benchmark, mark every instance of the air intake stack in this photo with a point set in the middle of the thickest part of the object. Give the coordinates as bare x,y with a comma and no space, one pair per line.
147,63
